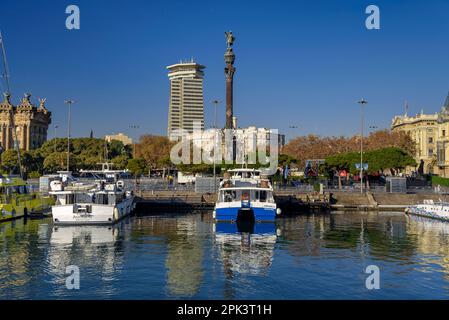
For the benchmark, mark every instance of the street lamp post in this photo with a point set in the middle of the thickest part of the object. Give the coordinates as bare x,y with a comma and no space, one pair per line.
215,103
362,102
56,128
69,103
134,126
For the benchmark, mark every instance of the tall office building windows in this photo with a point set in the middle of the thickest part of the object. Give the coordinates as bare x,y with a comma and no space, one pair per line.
186,106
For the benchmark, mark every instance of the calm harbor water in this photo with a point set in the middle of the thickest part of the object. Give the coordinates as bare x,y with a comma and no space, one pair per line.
321,256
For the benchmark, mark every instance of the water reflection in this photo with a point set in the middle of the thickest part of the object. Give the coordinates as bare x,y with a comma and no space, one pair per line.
96,250
19,248
189,256
91,245
245,249
432,242
184,258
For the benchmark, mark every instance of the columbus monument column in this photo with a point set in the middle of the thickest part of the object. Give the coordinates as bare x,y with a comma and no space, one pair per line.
229,58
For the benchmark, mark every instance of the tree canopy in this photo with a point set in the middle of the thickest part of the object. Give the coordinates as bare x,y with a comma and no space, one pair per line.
378,160
155,150
316,147
85,153
384,150
136,166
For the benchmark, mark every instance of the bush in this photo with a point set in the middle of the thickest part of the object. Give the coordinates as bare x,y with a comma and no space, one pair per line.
34,175
436,180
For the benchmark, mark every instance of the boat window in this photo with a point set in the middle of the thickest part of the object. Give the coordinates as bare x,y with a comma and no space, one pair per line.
111,198
70,198
101,198
229,195
263,196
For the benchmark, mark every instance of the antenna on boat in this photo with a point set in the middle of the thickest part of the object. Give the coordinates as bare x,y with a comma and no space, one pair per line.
5,75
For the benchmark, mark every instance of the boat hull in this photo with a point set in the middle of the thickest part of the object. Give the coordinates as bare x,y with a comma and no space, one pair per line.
99,214
232,213
432,213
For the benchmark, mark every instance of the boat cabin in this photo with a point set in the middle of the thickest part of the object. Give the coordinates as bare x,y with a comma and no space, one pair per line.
101,198
245,194
244,173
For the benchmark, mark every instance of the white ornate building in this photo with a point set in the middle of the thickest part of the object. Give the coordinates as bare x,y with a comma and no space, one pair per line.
431,135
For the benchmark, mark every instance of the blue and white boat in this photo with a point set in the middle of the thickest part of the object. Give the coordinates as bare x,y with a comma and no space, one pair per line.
245,195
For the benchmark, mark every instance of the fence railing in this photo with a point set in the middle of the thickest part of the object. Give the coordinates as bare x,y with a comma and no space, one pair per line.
160,184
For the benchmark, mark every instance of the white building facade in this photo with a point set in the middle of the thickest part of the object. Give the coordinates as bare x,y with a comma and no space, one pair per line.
186,105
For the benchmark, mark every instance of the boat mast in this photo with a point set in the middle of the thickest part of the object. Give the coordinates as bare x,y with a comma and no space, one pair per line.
5,75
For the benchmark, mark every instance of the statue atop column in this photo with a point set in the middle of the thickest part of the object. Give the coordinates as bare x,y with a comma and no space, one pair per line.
229,39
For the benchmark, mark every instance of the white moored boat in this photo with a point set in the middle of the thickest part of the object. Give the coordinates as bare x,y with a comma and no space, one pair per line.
245,195
436,210
102,202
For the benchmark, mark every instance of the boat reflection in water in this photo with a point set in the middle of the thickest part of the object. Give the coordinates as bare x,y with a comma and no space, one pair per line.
423,224
95,250
245,248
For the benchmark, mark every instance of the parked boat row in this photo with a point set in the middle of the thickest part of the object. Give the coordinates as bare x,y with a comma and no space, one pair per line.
244,195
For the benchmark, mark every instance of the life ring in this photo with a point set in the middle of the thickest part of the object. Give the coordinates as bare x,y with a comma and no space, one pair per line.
116,214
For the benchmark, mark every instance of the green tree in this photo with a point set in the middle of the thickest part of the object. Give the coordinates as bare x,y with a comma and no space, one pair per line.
85,153
136,166
30,161
116,148
34,175
285,159
391,158
10,161
55,161
35,161
120,162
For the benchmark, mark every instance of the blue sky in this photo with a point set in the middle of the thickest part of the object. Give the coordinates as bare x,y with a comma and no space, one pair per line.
299,63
